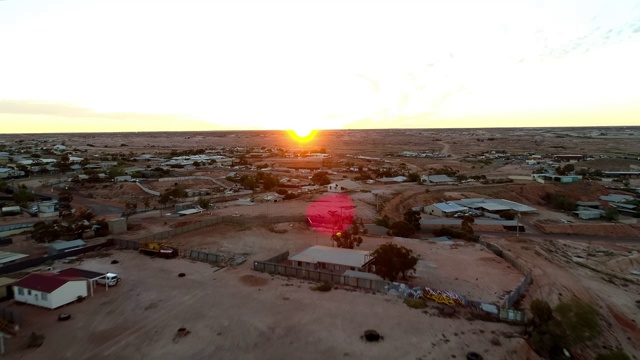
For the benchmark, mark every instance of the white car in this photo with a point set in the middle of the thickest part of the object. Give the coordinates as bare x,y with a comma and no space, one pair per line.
109,279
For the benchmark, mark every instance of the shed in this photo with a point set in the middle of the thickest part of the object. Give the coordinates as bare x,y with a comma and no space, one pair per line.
59,247
332,258
437,179
9,257
118,225
444,209
343,185
49,290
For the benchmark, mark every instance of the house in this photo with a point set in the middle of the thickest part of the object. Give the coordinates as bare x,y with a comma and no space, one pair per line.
541,178
589,204
122,178
273,198
59,148
333,259
571,158
59,247
437,179
343,185
49,290
10,173
444,209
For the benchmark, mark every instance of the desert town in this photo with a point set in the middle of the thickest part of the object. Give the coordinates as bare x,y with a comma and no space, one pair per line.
382,244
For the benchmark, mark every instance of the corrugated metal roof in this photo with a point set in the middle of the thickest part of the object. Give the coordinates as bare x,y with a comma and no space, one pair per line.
6,257
44,281
62,245
440,178
449,207
81,273
332,255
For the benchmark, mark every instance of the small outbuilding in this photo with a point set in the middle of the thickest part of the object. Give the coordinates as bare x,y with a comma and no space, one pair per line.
444,209
333,259
49,290
59,247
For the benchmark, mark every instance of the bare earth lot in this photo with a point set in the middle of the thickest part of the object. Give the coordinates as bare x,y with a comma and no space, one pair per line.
241,314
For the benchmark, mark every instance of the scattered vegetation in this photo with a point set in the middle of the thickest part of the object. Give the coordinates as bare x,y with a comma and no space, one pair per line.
569,324
324,287
415,303
613,355
560,201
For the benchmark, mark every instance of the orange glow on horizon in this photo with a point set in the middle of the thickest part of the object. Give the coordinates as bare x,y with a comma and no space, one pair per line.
302,135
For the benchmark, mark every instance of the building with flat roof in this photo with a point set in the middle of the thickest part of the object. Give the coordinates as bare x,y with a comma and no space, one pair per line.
437,179
333,259
447,208
59,247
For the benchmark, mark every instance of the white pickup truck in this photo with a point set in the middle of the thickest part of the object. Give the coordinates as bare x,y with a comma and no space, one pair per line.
110,279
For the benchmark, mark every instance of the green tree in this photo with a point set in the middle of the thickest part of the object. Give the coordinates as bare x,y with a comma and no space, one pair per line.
248,182
413,177
320,178
402,229
204,202
45,232
611,214
23,195
130,208
413,218
64,204
579,319
116,171
384,221
467,224
392,260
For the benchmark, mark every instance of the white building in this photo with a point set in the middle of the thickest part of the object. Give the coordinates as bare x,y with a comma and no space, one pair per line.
49,290
333,259
343,185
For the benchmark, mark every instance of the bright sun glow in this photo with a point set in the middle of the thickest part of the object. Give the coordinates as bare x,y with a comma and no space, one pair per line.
303,135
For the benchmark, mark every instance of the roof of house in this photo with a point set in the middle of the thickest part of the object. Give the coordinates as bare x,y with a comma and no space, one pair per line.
588,203
440,178
616,197
45,281
494,204
6,257
449,207
449,221
80,273
332,255
62,245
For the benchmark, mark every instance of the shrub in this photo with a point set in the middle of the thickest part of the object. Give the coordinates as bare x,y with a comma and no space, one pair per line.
613,355
415,303
324,287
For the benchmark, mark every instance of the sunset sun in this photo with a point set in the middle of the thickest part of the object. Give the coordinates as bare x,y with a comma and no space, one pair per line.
303,134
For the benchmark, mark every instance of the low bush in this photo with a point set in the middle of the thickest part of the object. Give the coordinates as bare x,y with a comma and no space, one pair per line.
324,287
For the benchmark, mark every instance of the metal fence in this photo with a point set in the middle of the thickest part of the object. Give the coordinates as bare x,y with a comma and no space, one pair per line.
320,276
205,256
21,265
126,244
515,294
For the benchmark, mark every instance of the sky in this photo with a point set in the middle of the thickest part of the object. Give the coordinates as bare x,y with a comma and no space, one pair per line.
138,65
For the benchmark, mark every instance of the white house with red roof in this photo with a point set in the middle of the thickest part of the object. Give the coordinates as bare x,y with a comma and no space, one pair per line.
48,289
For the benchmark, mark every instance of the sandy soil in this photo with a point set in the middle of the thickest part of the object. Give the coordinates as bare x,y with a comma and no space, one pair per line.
224,314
